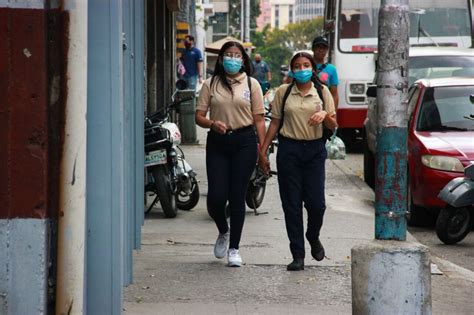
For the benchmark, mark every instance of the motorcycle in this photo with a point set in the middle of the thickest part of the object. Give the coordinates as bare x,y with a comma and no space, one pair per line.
258,180
169,176
454,221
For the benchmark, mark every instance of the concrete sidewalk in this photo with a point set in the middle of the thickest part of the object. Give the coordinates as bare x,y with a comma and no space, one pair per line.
176,272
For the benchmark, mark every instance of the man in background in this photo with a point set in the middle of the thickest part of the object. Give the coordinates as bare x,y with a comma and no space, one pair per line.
261,72
191,59
327,72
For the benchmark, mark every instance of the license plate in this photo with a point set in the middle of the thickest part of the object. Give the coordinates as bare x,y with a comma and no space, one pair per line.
155,157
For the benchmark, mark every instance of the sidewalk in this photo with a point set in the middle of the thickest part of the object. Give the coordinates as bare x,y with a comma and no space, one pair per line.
176,272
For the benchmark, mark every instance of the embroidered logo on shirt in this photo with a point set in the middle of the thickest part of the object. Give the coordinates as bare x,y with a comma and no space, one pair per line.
246,95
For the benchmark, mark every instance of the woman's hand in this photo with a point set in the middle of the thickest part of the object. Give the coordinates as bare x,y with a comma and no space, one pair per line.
263,162
219,127
317,118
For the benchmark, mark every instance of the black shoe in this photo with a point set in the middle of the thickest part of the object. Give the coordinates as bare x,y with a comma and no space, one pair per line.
317,250
296,265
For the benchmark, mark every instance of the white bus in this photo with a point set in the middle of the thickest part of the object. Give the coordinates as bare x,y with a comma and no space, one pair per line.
352,29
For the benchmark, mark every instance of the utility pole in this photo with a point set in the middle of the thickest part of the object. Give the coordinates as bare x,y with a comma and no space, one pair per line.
242,13
391,151
247,21
390,275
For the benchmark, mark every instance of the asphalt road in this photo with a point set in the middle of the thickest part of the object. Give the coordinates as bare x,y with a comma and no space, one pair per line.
461,254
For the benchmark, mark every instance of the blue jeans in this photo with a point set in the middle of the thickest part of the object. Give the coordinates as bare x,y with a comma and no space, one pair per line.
301,176
191,81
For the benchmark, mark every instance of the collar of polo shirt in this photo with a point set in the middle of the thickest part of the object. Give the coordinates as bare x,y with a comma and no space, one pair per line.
312,91
239,78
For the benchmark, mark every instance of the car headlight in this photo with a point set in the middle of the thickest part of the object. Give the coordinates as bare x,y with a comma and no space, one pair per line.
443,163
357,88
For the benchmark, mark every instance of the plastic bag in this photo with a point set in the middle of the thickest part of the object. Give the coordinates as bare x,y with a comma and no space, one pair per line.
336,148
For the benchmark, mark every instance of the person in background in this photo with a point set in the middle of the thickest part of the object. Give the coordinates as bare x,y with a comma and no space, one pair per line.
297,116
236,122
326,72
191,59
261,72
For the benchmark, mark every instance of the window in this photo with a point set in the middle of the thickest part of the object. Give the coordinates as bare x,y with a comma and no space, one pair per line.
277,16
446,108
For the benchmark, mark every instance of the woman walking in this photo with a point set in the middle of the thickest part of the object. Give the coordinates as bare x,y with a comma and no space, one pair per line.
299,111
234,101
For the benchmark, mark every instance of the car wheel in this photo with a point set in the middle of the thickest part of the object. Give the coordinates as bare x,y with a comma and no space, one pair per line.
416,216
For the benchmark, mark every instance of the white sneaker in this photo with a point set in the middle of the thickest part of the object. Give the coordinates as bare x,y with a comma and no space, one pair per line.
234,258
222,242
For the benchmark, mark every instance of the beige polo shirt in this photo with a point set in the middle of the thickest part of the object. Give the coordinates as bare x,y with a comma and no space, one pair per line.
235,110
299,109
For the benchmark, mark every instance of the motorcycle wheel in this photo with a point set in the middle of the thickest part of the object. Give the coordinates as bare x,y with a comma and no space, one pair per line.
190,201
255,195
164,190
453,224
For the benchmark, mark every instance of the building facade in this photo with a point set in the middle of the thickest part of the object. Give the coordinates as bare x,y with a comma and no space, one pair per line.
265,16
308,9
282,13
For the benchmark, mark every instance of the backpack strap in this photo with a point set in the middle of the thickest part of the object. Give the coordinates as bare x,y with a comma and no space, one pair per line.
319,88
249,82
322,68
285,96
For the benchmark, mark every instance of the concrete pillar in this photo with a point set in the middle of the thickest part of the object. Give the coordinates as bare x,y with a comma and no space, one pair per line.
71,222
391,277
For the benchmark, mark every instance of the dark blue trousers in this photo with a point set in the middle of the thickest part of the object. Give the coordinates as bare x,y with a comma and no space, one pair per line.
301,176
230,161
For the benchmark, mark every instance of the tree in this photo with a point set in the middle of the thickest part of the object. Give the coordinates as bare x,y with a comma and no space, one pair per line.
277,46
234,15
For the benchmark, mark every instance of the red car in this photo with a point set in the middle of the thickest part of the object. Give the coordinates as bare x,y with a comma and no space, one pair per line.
440,139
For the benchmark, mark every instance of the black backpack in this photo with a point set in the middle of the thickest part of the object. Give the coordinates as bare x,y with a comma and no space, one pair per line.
327,133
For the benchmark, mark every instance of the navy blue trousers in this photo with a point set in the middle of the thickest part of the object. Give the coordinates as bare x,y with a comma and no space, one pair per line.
230,161
301,176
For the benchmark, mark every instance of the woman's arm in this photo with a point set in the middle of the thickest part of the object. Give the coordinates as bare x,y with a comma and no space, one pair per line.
271,133
259,123
330,121
216,125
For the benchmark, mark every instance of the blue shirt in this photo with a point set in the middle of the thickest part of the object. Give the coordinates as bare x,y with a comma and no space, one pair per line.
190,58
260,71
328,74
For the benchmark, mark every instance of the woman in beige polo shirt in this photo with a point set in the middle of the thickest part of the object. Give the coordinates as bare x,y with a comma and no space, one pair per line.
301,154
235,105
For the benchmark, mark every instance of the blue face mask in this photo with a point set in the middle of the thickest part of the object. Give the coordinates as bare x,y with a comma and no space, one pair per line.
303,76
232,65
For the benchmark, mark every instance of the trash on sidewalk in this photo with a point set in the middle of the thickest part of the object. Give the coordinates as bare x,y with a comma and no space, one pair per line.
435,270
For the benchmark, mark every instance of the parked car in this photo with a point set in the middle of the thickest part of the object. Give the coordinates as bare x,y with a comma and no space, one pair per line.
424,62
440,140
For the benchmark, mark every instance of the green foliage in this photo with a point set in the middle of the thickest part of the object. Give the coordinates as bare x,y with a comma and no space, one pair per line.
234,15
277,46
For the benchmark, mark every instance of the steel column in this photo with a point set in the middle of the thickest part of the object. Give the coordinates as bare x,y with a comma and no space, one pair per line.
105,159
